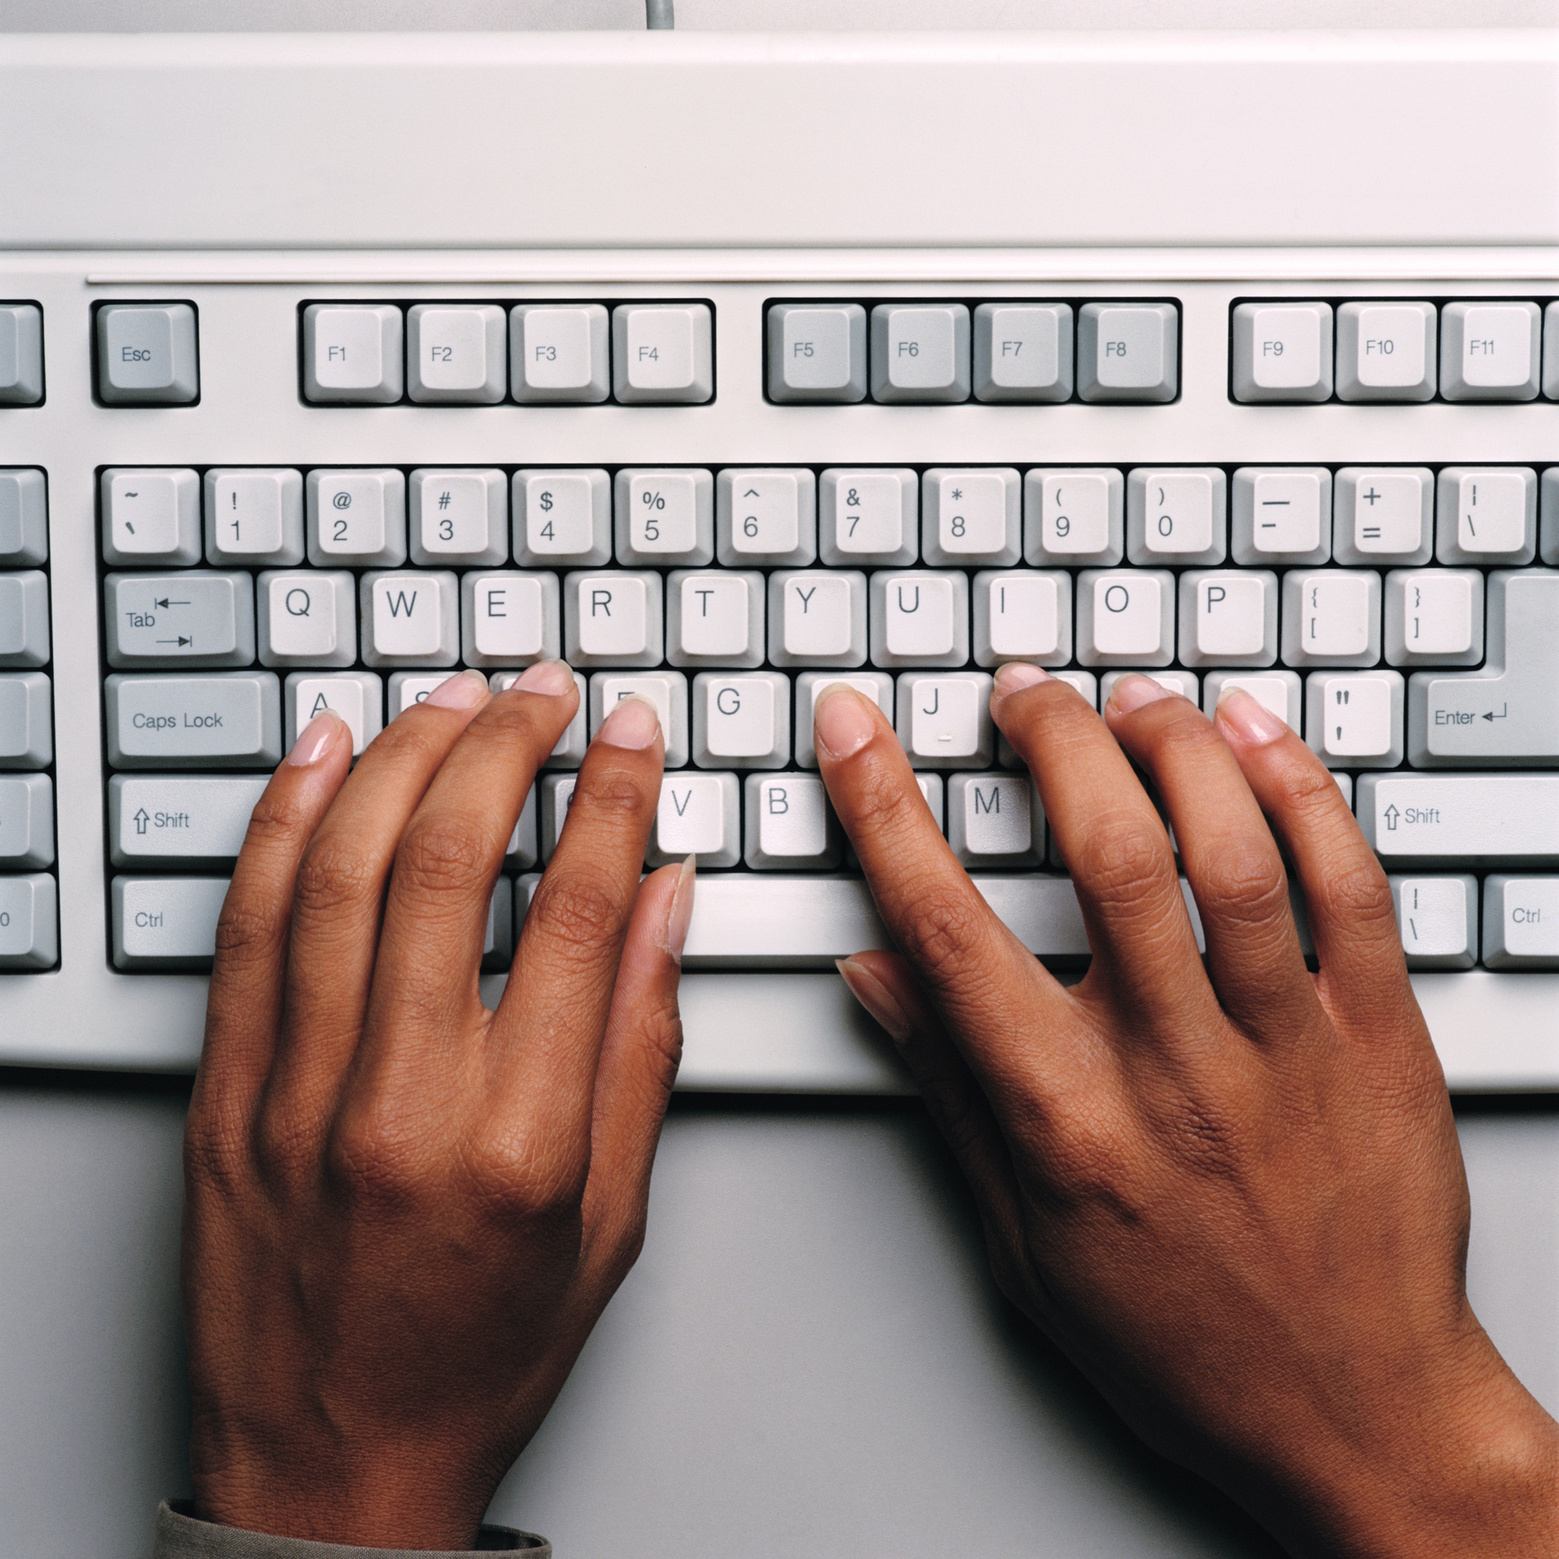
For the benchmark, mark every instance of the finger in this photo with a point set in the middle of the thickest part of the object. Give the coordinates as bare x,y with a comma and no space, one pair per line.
1230,857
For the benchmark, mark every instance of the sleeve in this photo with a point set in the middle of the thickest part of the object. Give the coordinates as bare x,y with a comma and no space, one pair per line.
181,1535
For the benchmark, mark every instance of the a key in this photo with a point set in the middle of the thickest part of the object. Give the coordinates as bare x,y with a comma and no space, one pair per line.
662,353
147,354
817,618
356,518
1386,352
817,352
944,721
714,618
1353,719
1521,922
24,518
1176,515
307,617
1074,517
1280,515
409,619
613,619
357,696
868,516
1023,352
21,354
195,618
562,518
187,820
664,517
1331,617
509,619
995,820
1128,352
1383,514
1228,617
26,732
1487,515
919,618
165,922
1434,617
1025,615
352,353
456,354
220,720
254,516
920,352
29,922
24,619
1438,919
1277,691
459,515
149,516
971,516
26,821
666,690
875,685
698,814
559,353
1489,351
789,825
741,721
1125,618
1282,352
766,517
1463,820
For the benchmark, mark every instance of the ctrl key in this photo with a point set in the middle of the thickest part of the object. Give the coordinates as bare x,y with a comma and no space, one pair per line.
29,923
1521,922
166,922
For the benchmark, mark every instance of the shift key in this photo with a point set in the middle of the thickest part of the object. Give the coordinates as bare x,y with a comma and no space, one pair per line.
226,720
180,819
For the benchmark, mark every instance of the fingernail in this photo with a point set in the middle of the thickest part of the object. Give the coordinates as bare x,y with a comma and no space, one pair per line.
551,677
460,691
1017,675
1133,691
1247,717
633,723
315,739
875,997
841,721
680,916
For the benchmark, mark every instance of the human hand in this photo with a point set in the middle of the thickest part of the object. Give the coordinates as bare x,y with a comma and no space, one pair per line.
404,1212
1232,1192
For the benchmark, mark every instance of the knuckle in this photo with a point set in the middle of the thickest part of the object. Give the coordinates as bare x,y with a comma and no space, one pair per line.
250,929
578,913
1121,861
612,796
282,1150
374,1159
335,874
509,1172
1355,890
938,932
277,819
1243,882
441,854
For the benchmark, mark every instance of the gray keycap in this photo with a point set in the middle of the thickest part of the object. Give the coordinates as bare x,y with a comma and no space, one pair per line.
920,352
698,814
147,354
498,943
662,353
559,354
817,352
29,922
24,619
26,733
179,819
224,720
664,518
166,922
24,519
1551,352
1438,917
1465,820
1023,352
1489,350
352,353
788,824
165,620
151,516
21,354
766,517
995,820
356,519
307,617
254,516
868,515
1521,922
1280,515
1282,351
456,354
741,720
357,696
1386,351
26,821
1128,352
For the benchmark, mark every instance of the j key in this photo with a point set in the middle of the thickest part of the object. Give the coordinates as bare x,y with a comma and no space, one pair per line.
944,721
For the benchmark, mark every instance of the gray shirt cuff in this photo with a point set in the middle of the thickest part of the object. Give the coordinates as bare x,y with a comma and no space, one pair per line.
181,1536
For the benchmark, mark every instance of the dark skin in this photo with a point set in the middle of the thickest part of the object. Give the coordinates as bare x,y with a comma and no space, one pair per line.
1230,1189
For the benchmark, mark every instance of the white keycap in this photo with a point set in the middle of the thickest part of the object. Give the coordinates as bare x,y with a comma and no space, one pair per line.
410,619
559,353
1074,517
741,721
613,619
714,618
1085,683
1185,683
29,922
165,922
1383,514
1024,615
356,518
1438,919
459,515
1277,691
1487,515
817,352
1386,352
147,354
1489,351
1434,617
932,788
875,685
1125,617
509,619
254,517
995,820
21,354
352,353
24,619
412,687
920,352
26,732
868,517
1228,617
202,618
525,843
149,516
1281,515
24,518
1023,352
662,352
698,814
919,618
664,517
456,354
1331,617
1282,352
1176,515
1354,719
788,823
307,617
817,618
218,720
767,517
1521,922
26,821
1128,352
357,696
944,722
1465,820
570,750
180,819
666,690
562,518
1551,352
971,516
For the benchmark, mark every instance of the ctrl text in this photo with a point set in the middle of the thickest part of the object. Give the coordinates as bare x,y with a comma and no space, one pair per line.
1526,915
145,920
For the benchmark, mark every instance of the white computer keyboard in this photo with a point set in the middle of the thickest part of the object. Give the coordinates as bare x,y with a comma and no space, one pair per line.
240,486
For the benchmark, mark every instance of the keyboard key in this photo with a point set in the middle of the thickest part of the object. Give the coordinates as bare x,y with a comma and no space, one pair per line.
357,696
406,688
1386,352
944,722
1551,351
666,690
562,518
196,618
741,721
1353,719
21,354
1521,922
662,353
409,619
934,792
868,516
147,354
456,354
971,517
356,518
817,618
1125,617
1282,352
919,618
559,353
1128,352
1383,515
1228,617
698,814
24,619
570,750
498,943
875,685
180,819
789,824
1489,351
557,791
664,518
1185,683
1438,917
151,516
1487,516
223,720
24,519
1331,617
1434,617
352,353
254,517
1471,820
714,618
26,821
613,619
26,733
766,517
1281,515
1026,615
1023,352
166,922
510,619
524,843
459,516
920,352
1277,691
307,617
1074,517
817,352
29,923
995,820
1176,515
